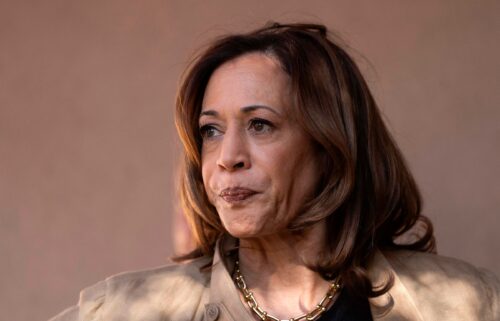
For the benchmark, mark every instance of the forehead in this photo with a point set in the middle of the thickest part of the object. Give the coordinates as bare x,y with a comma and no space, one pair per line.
254,78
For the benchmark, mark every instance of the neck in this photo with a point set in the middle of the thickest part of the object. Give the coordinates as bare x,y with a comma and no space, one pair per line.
276,270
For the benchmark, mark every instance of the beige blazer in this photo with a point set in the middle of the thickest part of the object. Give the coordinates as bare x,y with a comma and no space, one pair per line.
427,287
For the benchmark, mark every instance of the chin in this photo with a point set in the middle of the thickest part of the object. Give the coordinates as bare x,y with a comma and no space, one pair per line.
246,221
240,230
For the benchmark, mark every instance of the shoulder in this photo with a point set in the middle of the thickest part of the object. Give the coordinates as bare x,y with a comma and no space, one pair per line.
174,289
440,284
171,275
433,268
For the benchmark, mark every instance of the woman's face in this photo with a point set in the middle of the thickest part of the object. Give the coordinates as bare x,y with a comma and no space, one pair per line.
258,165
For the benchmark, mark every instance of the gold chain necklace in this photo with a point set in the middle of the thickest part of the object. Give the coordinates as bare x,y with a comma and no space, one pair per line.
263,315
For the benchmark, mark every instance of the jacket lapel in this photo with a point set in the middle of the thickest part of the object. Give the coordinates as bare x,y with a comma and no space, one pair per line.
223,295
396,304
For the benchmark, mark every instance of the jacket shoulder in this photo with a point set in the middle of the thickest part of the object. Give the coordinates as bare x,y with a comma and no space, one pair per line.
170,274
441,285
173,290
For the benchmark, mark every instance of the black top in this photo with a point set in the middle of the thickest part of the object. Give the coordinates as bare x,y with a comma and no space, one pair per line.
348,308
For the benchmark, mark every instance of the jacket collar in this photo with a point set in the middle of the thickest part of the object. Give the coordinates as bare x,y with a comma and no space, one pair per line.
394,305
223,292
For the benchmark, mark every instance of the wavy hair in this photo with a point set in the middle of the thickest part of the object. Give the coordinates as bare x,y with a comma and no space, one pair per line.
367,195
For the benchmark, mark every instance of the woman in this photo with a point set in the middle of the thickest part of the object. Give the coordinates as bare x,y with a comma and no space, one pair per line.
296,193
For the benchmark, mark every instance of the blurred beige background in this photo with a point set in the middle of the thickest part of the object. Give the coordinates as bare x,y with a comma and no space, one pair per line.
88,150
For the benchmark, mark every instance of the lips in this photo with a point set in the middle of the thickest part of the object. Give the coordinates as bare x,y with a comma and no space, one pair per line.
236,194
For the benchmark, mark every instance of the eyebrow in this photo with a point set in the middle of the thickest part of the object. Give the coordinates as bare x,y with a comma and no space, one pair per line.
245,110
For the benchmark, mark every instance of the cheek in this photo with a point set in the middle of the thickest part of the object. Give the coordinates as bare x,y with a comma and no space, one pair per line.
295,168
281,160
207,171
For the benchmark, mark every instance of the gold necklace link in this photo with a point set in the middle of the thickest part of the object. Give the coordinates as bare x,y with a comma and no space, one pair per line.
264,316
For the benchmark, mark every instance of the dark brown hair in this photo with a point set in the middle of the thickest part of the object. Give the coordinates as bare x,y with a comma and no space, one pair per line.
367,196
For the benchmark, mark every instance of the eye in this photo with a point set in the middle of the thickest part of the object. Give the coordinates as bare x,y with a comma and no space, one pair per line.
209,131
259,125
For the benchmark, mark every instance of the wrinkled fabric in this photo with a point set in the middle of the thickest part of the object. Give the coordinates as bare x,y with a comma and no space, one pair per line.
427,287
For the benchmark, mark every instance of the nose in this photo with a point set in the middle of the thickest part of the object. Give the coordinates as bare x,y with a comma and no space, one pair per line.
233,152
